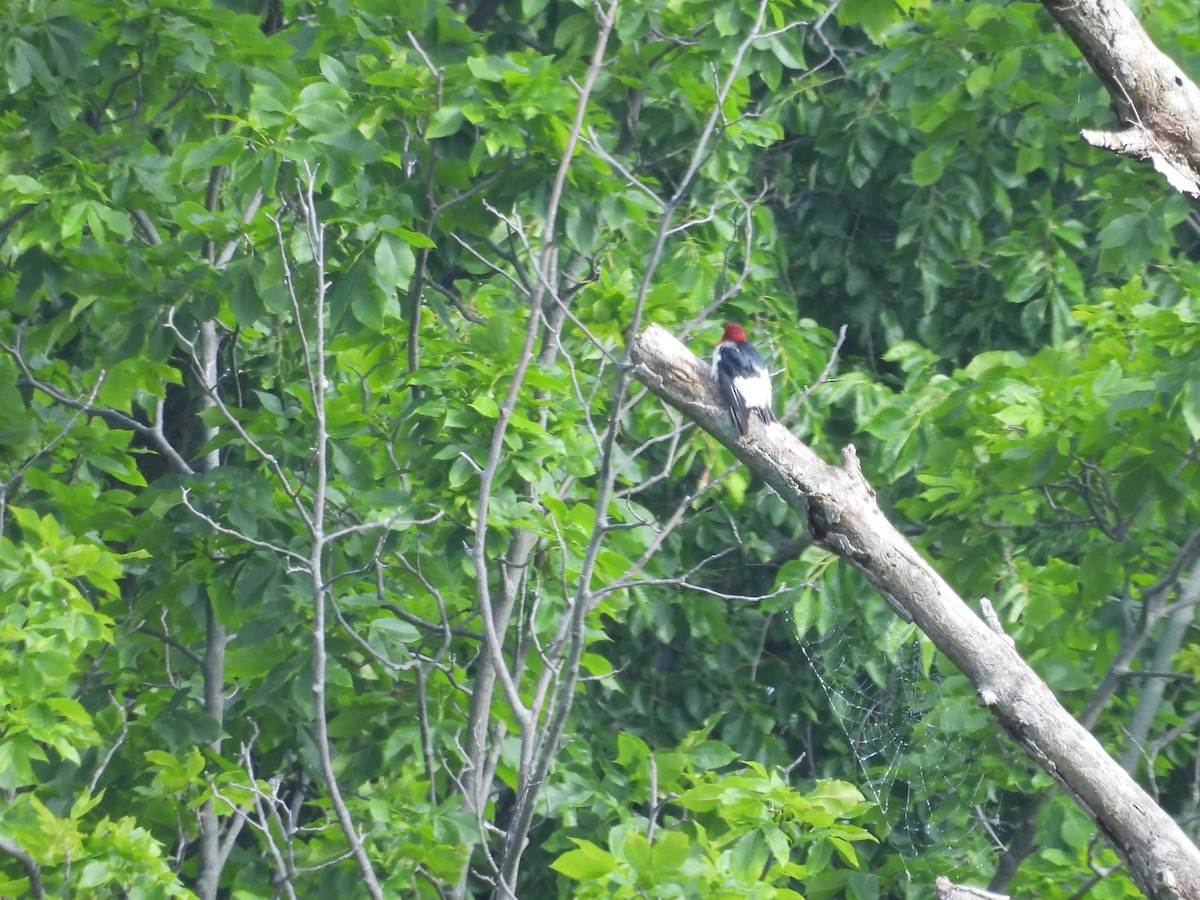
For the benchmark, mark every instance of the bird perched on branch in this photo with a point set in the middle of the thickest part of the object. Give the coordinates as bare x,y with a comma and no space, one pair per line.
743,379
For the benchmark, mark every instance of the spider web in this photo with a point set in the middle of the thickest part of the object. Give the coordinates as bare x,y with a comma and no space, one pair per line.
915,739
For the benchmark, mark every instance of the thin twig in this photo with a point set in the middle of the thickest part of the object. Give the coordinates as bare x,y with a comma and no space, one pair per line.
241,536
821,379
112,750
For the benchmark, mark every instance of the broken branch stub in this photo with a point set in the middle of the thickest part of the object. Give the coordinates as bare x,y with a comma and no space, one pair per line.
1158,104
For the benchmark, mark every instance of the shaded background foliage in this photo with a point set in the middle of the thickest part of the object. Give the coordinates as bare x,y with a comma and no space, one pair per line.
1017,375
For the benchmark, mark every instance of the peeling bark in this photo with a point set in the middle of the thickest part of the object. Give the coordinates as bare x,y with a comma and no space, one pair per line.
1158,104
840,510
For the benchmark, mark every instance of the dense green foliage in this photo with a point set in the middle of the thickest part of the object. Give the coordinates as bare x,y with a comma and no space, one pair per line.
326,498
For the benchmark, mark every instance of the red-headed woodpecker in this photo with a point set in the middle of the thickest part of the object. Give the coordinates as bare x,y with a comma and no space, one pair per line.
743,379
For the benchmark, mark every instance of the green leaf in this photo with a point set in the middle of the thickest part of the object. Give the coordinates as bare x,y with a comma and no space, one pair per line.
1121,230
23,185
397,629
414,238
334,71
979,81
215,151
929,164
24,63
486,406
485,68
864,886
349,285
445,122
748,856
394,261
671,852
321,108
637,852
875,16
587,863
244,301
1191,408
778,843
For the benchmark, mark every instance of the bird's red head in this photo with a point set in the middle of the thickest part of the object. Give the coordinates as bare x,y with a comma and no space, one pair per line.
734,333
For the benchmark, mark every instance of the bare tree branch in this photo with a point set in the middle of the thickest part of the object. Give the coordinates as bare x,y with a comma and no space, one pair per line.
32,870
492,662
315,232
112,417
1133,642
1150,699
15,478
234,533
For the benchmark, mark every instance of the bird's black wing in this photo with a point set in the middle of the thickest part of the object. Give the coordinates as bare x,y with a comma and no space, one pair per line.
734,401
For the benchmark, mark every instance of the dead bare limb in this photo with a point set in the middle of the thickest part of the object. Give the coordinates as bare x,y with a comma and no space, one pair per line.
840,510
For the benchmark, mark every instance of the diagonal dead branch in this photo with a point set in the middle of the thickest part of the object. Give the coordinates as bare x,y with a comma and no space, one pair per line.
839,508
